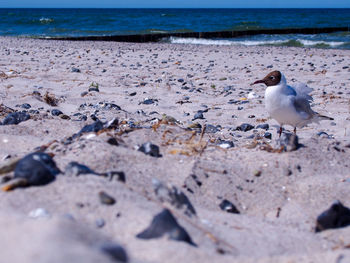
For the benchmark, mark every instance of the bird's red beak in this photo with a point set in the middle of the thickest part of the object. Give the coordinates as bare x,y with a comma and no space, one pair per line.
258,81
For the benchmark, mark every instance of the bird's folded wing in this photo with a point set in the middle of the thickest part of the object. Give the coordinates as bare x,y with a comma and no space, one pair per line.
303,91
302,106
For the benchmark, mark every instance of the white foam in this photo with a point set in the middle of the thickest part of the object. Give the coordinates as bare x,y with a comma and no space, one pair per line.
45,20
306,42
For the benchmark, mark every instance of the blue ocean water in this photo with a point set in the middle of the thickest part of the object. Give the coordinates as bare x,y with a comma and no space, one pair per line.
105,22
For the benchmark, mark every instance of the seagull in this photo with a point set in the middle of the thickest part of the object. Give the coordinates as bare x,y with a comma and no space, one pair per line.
289,105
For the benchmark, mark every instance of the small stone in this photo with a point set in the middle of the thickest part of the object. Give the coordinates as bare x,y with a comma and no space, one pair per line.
336,216
150,149
113,141
64,117
26,106
115,252
251,116
257,173
132,94
84,93
148,101
106,199
228,207
195,125
211,128
100,223
198,115
323,134
37,169
15,118
76,169
263,126
56,112
75,70
224,144
165,223
245,127
333,123
95,89
268,135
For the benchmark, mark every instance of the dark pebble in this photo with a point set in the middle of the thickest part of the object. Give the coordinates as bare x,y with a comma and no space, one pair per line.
245,127
333,123
227,206
267,135
15,118
94,127
111,174
26,106
56,112
75,169
37,168
113,141
96,89
198,115
75,70
109,106
251,116
149,101
336,216
84,93
106,199
115,252
323,134
263,126
240,108
150,149
165,223
132,94
34,111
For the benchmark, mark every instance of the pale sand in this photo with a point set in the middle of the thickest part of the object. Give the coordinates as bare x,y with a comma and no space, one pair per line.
319,170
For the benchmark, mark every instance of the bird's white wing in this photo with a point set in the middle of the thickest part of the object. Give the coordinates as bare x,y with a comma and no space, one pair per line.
302,100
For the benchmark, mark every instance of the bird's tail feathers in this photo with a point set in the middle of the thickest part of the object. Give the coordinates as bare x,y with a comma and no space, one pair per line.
323,117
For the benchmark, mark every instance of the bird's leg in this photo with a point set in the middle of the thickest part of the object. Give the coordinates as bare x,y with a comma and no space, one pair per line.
295,130
280,131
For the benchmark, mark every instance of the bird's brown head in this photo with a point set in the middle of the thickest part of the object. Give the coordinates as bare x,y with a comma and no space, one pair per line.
271,79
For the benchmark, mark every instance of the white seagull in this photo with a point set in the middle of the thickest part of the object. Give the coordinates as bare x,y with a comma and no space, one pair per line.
288,105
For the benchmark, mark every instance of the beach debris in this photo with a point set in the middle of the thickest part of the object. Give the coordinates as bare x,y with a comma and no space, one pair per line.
244,127
4,110
33,169
165,223
94,87
114,251
106,199
211,128
336,216
15,118
150,149
173,196
39,213
229,207
288,142
50,99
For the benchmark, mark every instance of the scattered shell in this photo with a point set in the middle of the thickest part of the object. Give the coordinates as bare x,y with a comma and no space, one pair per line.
39,213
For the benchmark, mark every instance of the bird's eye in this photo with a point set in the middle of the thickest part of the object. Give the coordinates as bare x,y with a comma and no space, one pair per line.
272,77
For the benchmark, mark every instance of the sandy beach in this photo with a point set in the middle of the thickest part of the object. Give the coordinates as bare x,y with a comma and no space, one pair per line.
191,102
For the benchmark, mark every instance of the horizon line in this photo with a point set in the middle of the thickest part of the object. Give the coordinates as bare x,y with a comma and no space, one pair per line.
175,7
